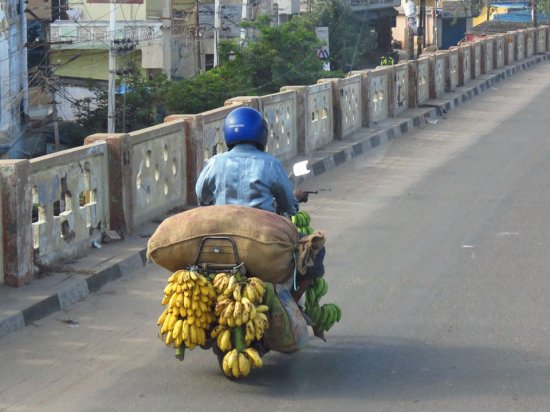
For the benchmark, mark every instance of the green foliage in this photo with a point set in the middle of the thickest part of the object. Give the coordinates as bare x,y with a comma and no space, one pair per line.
277,56
349,34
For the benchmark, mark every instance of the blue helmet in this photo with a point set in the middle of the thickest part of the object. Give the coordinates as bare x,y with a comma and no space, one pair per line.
245,125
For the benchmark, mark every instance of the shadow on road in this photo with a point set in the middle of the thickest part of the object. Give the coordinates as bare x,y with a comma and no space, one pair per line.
371,367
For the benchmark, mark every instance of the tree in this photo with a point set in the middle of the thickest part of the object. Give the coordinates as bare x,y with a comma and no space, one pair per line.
349,34
279,56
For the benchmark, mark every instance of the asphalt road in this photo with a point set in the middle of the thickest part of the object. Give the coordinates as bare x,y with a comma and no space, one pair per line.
438,254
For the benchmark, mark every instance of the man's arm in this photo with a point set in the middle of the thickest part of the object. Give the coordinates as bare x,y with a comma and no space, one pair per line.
204,192
282,192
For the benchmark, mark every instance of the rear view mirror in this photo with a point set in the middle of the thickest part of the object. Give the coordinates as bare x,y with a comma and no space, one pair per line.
301,168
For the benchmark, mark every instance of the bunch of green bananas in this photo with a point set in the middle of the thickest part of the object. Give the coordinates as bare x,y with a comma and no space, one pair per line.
323,317
241,319
190,299
302,220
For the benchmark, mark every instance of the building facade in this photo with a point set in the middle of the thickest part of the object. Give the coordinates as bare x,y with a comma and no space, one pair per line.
13,75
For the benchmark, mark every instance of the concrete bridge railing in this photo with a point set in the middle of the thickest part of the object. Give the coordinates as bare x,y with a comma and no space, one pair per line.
55,207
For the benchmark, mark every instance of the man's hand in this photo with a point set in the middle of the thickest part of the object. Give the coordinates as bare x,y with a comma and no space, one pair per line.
301,195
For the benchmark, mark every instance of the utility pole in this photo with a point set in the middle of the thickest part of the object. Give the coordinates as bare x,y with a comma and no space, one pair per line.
112,70
244,17
410,15
421,41
217,27
534,12
197,39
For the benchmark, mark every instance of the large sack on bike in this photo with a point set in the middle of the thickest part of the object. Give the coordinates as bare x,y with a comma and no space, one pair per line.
266,242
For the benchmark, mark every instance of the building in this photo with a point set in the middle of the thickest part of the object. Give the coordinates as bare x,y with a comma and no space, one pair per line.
13,76
447,22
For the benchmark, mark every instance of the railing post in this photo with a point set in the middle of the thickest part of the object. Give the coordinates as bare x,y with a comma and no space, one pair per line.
301,110
17,211
120,174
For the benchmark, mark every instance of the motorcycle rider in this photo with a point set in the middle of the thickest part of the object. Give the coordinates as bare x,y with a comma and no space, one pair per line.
247,175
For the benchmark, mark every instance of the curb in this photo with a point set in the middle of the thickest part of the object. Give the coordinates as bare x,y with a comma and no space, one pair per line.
76,291
323,160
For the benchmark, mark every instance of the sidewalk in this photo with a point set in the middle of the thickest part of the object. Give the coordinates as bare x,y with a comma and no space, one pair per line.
68,282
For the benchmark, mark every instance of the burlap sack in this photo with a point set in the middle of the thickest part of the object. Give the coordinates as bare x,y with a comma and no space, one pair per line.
308,248
266,242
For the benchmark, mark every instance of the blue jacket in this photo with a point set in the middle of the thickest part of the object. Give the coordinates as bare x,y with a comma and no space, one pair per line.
249,177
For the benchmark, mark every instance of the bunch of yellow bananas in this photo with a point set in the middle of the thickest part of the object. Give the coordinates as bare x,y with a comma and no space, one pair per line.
190,299
238,363
241,318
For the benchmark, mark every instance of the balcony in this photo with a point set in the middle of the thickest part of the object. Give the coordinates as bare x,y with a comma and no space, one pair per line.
95,34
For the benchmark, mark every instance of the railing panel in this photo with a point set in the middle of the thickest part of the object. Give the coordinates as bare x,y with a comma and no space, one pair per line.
279,110
319,122
487,54
158,179
511,47
439,68
378,97
476,60
520,45
465,63
350,104
400,88
530,43
422,80
541,39
500,45
453,70
70,201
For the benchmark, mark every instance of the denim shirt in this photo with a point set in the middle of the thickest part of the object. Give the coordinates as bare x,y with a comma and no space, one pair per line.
249,177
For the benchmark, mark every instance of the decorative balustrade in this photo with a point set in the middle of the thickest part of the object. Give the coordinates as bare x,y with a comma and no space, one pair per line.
70,207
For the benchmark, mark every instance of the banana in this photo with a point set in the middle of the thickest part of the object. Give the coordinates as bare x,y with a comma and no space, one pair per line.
237,293
168,338
262,308
325,287
172,277
230,286
235,368
250,332
164,328
244,365
225,343
226,366
216,331
232,357
160,321
221,305
172,321
179,278
186,302
165,300
169,289
183,311
177,327
251,294
193,334
247,308
294,219
254,357
258,284
185,334
237,313
226,313
258,328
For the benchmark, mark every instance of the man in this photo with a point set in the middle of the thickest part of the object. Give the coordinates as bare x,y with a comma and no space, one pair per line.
247,175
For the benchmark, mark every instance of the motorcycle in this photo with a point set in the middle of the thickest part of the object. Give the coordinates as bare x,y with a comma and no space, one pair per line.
219,306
